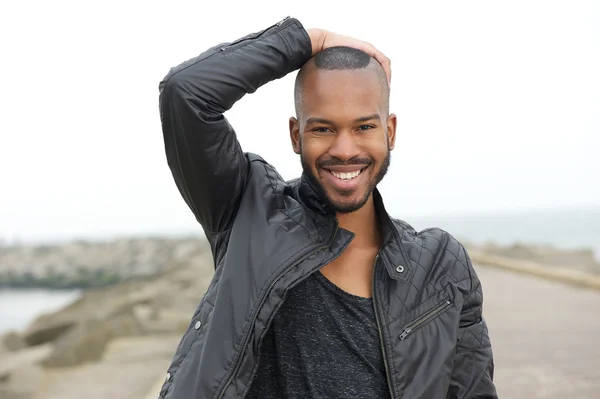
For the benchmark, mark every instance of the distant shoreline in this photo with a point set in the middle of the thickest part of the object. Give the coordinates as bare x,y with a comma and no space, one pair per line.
61,282
87,264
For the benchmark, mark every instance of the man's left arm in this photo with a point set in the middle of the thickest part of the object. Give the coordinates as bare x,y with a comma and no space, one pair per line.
472,375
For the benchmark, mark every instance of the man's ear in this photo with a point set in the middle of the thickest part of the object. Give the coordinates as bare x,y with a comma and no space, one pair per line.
391,131
295,135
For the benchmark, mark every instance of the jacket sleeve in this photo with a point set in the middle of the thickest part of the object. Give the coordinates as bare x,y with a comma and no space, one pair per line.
203,153
472,375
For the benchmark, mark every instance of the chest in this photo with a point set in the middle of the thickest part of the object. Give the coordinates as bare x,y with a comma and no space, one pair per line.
352,271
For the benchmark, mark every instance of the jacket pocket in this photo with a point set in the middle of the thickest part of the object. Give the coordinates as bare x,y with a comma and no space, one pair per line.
424,319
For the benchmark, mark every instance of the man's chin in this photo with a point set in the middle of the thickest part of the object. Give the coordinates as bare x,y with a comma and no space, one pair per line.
346,203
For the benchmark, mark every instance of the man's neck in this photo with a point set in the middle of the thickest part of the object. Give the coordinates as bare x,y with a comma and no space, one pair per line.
364,223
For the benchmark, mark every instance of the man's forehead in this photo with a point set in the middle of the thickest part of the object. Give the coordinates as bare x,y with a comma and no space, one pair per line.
364,76
337,91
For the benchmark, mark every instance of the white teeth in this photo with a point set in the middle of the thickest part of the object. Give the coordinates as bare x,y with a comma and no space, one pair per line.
346,176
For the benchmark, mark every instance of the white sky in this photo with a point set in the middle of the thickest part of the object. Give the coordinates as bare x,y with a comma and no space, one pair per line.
498,106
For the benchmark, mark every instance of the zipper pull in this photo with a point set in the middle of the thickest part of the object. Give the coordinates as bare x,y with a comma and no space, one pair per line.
405,334
282,21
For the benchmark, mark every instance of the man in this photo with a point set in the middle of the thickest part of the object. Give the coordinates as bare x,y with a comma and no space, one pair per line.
317,292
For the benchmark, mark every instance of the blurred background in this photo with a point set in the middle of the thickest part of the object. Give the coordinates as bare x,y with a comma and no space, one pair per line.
102,263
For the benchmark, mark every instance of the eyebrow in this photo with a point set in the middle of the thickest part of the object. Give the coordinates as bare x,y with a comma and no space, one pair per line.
328,122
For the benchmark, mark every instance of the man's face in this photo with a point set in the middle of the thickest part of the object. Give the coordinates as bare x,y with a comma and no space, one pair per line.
344,135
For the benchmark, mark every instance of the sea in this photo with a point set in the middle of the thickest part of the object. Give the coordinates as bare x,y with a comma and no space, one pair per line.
568,229
573,228
19,307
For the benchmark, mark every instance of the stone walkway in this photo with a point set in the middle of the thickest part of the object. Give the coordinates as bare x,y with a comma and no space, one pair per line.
128,369
545,336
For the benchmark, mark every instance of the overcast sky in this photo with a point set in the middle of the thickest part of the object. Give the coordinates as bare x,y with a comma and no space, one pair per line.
498,106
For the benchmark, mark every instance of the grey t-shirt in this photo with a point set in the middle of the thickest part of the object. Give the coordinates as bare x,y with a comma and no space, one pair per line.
322,343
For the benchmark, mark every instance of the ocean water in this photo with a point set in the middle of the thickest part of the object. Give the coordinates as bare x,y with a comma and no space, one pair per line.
569,229
20,307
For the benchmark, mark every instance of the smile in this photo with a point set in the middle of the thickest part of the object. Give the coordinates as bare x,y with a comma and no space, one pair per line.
346,176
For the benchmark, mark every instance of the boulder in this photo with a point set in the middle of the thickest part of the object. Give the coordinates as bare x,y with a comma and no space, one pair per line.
87,341
94,305
12,342
46,329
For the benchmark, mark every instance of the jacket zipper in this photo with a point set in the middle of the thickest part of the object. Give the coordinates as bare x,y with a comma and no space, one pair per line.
282,21
246,336
253,37
427,317
381,339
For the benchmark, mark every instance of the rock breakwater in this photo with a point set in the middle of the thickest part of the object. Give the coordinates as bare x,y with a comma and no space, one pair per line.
82,264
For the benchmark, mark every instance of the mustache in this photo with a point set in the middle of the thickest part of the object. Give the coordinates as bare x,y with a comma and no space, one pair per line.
338,162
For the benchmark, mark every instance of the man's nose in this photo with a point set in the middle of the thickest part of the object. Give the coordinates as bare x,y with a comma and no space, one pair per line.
344,146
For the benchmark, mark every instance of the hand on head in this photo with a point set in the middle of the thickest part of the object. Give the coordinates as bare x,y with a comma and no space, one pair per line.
322,39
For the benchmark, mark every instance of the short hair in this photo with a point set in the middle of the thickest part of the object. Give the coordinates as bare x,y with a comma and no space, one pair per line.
340,58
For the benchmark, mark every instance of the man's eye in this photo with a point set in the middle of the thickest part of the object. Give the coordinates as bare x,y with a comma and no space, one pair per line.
366,127
321,130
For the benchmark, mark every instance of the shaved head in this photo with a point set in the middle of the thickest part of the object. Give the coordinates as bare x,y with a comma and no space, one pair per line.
343,59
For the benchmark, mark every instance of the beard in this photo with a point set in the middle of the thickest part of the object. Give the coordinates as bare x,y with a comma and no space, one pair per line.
340,206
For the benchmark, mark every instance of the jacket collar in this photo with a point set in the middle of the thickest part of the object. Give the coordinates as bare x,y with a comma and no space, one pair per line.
394,257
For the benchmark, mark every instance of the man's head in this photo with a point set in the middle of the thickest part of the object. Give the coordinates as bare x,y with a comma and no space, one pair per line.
343,130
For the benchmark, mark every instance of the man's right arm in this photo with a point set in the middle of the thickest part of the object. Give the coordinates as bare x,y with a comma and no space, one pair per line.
202,150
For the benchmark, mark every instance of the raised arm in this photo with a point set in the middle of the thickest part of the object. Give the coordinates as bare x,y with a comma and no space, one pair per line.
204,155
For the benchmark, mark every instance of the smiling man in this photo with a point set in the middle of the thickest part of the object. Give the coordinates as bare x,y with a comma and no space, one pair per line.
317,292
351,89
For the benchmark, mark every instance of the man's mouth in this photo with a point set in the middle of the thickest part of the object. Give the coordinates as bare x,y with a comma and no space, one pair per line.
346,175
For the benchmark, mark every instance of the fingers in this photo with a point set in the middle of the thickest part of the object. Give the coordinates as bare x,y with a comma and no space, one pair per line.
318,37
328,39
385,62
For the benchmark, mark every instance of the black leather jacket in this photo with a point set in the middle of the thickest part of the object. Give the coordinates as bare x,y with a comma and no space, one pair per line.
267,235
